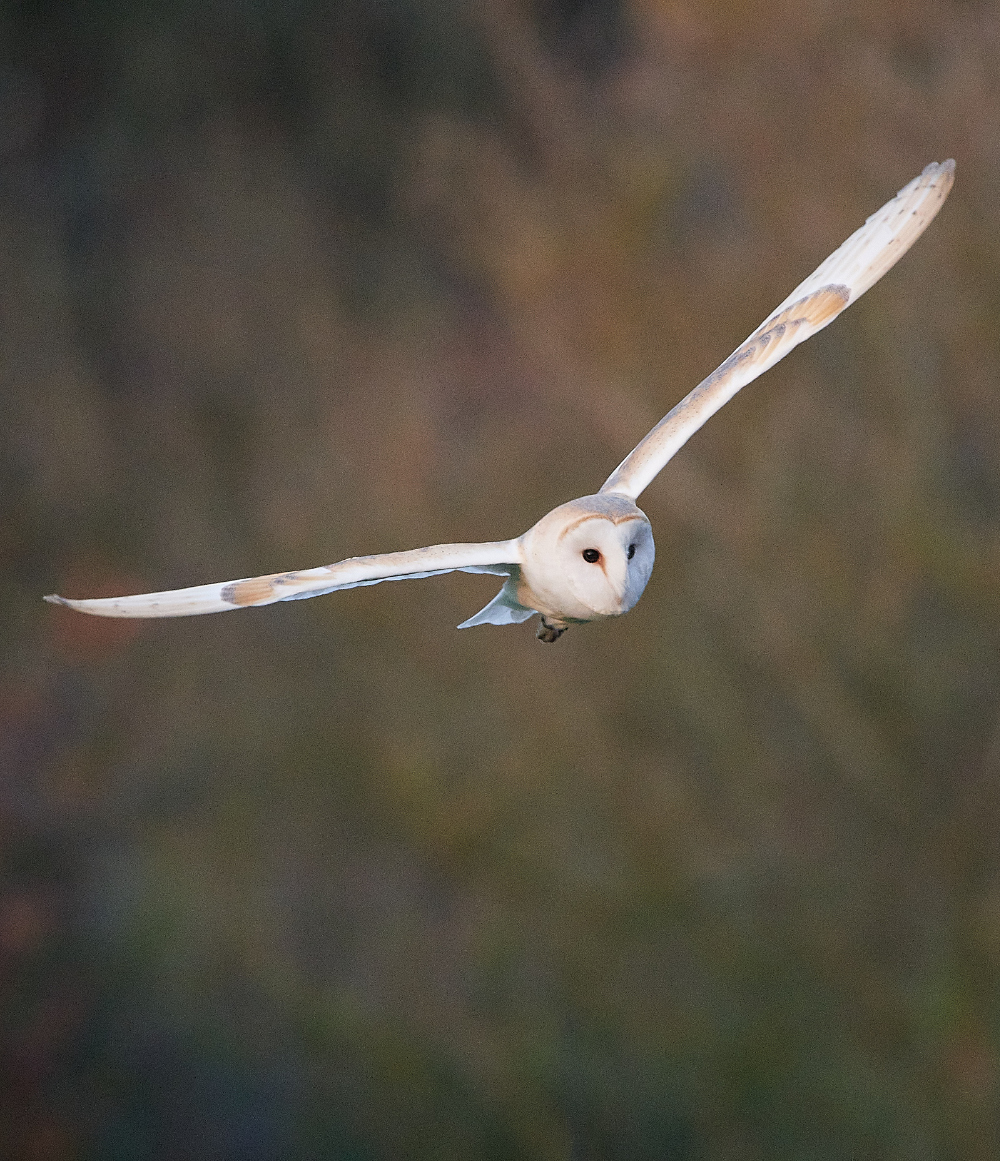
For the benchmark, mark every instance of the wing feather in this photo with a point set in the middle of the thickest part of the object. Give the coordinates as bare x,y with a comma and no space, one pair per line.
849,271
499,557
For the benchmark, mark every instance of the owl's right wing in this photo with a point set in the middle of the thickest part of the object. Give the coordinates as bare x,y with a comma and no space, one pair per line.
501,557
849,271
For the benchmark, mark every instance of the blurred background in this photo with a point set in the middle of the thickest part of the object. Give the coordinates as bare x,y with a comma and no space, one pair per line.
286,281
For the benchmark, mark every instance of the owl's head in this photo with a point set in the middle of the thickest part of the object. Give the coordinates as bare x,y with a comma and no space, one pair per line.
587,559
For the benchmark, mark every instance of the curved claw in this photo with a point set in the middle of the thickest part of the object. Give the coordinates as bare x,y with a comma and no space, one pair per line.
549,631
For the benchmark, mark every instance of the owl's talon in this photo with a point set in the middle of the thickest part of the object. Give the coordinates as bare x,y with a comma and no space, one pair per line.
549,631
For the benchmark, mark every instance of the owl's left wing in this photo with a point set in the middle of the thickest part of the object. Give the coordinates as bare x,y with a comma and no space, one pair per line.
501,557
849,271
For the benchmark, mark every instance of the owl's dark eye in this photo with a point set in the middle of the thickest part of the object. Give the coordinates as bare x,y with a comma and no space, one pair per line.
591,555
631,551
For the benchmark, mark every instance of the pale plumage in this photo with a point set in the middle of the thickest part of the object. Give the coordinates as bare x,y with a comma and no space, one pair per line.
591,558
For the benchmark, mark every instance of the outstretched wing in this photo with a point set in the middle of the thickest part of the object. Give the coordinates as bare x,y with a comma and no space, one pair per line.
501,557
849,271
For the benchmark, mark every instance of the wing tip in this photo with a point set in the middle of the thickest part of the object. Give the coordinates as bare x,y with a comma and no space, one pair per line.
937,174
82,606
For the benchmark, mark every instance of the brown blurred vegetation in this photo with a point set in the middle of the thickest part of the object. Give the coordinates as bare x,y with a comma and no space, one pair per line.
290,281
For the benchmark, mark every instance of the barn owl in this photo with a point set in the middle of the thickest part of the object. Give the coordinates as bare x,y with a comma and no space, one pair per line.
591,558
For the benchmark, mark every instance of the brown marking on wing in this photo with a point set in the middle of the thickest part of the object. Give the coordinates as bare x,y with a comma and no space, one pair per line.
817,308
249,592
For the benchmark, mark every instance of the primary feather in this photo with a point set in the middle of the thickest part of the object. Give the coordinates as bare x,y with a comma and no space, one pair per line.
849,271
498,557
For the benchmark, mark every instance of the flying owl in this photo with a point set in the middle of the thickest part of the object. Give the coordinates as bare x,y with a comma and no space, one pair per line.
591,558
